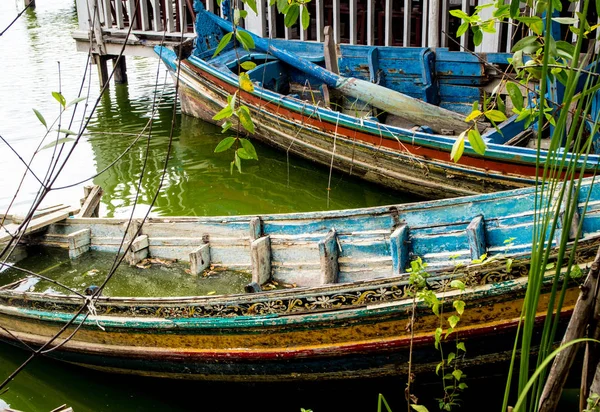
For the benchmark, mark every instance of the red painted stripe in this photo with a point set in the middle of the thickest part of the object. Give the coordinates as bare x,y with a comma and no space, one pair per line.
503,167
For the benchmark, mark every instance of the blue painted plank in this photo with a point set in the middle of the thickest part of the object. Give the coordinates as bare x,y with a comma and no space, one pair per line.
476,236
399,249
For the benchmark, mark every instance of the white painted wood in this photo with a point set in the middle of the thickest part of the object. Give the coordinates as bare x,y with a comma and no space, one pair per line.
79,242
83,15
106,16
509,35
261,259
371,22
288,33
272,27
433,19
303,33
320,18
337,25
445,24
491,41
157,22
575,7
210,6
407,23
257,23
182,15
424,23
119,15
200,259
464,40
144,15
353,21
169,12
388,23
131,13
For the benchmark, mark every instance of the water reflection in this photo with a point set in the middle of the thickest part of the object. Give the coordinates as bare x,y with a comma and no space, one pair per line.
197,180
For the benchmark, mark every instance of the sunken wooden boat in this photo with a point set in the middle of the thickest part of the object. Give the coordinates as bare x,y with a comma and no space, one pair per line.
292,111
346,310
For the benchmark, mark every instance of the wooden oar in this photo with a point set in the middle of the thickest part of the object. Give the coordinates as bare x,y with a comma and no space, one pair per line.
399,104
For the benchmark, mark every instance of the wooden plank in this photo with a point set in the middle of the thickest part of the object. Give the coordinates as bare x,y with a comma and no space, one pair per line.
331,60
260,254
118,15
476,236
200,259
329,253
399,249
157,22
92,202
388,23
139,246
40,212
79,242
370,22
337,23
36,224
255,228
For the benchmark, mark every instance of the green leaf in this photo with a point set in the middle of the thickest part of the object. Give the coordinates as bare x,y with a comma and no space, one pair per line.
461,346
224,42
457,373
565,49
305,18
59,98
462,29
225,112
453,321
246,119
225,144
477,142
495,116
248,65
565,20
252,5
75,101
459,305
243,154
509,262
460,14
514,92
57,142
473,115
514,8
245,82
281,5
238,162
67,132
249,147
535,23
477,35
438,367
457,284
462,386
458,148
451,357
231,167
226,126
238,14
490,26
40,118
245,39
438,337
525,42
291,15
419,408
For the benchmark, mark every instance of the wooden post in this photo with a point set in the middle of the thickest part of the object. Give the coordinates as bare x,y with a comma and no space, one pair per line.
30,3
329,252
200,259
120,69
100,62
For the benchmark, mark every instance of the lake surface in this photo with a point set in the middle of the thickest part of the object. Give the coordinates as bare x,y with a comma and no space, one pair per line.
38,57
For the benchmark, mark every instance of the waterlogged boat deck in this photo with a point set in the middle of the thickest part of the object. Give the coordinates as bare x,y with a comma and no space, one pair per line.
150,277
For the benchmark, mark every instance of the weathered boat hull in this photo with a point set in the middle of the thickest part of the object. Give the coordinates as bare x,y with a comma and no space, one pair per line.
349,310
393,156
367,341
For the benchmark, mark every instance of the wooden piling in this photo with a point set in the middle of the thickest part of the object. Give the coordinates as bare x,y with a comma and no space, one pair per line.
120,69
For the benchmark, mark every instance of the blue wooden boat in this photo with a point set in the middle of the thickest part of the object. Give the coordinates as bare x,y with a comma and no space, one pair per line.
291,110
346,311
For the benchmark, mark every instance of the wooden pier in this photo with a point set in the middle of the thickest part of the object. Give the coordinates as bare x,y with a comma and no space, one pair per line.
104,24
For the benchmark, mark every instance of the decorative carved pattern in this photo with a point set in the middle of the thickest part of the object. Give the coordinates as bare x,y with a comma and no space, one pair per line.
328,299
